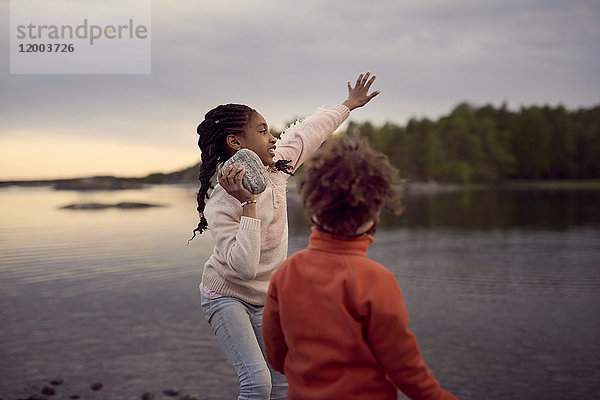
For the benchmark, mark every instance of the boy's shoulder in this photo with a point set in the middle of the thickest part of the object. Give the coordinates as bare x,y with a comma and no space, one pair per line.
294,258
371,268
356,265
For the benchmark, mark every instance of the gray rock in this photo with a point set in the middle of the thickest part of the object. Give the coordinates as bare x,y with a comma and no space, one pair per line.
57,381
255,179
171,392
48,391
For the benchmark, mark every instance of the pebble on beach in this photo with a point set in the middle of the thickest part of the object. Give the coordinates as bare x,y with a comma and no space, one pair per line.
96,386
171,392
48,391
147,396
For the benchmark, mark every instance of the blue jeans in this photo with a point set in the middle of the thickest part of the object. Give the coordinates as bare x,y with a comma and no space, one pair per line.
238,326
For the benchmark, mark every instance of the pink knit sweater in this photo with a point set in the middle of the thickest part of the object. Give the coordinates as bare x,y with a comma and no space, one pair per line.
247,250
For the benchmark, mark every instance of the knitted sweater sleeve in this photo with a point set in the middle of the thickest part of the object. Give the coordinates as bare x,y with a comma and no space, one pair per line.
301,139
394,345
237,239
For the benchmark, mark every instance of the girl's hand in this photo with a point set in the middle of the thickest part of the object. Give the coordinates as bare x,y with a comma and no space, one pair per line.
231,180
358,95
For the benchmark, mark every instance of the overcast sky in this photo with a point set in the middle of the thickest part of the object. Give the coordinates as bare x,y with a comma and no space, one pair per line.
286,59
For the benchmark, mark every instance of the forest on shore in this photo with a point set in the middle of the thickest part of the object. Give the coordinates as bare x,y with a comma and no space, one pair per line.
469,145
490,145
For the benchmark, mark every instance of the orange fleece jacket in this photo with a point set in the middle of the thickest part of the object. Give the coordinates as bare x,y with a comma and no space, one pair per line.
335,324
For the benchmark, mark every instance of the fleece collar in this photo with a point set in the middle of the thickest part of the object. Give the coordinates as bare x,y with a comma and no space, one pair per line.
324,241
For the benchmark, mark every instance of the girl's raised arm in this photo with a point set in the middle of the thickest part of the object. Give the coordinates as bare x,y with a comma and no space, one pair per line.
302,139
359,95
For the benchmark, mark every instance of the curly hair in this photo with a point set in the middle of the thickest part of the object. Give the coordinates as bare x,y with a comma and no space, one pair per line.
346,184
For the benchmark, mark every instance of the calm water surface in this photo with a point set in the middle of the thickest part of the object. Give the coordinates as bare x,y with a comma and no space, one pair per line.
503,289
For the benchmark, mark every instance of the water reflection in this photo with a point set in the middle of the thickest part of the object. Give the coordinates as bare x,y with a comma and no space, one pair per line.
488,210
501,286
492,280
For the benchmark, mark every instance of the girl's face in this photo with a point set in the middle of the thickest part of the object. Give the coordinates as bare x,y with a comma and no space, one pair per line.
258,139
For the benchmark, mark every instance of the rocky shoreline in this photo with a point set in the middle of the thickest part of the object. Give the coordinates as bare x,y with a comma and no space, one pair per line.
59,389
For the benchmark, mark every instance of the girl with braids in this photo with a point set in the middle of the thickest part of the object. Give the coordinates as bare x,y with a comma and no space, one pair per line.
354,343
250,231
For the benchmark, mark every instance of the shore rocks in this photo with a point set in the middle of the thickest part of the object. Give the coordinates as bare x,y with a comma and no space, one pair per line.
48,391
171,392
53,389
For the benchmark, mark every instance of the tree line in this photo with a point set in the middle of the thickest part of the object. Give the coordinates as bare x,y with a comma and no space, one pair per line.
488,144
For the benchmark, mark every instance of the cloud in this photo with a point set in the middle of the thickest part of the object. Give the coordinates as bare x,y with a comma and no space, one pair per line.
287,60
54,156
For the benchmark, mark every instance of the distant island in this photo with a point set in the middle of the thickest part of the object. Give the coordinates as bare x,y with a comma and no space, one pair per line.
187,175
102,206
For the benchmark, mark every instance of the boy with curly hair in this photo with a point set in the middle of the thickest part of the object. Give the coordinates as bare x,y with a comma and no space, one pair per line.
334,321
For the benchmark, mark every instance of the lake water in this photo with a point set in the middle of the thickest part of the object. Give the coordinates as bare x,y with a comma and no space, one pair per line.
503,290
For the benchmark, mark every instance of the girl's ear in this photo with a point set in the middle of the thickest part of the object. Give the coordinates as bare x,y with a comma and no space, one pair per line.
233,142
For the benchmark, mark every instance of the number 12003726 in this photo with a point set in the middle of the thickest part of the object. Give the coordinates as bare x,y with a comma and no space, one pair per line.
46,48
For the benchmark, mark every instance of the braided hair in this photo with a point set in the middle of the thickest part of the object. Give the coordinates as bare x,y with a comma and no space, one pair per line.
219,123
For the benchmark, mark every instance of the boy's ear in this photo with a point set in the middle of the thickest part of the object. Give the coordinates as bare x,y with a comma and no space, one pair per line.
233,142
